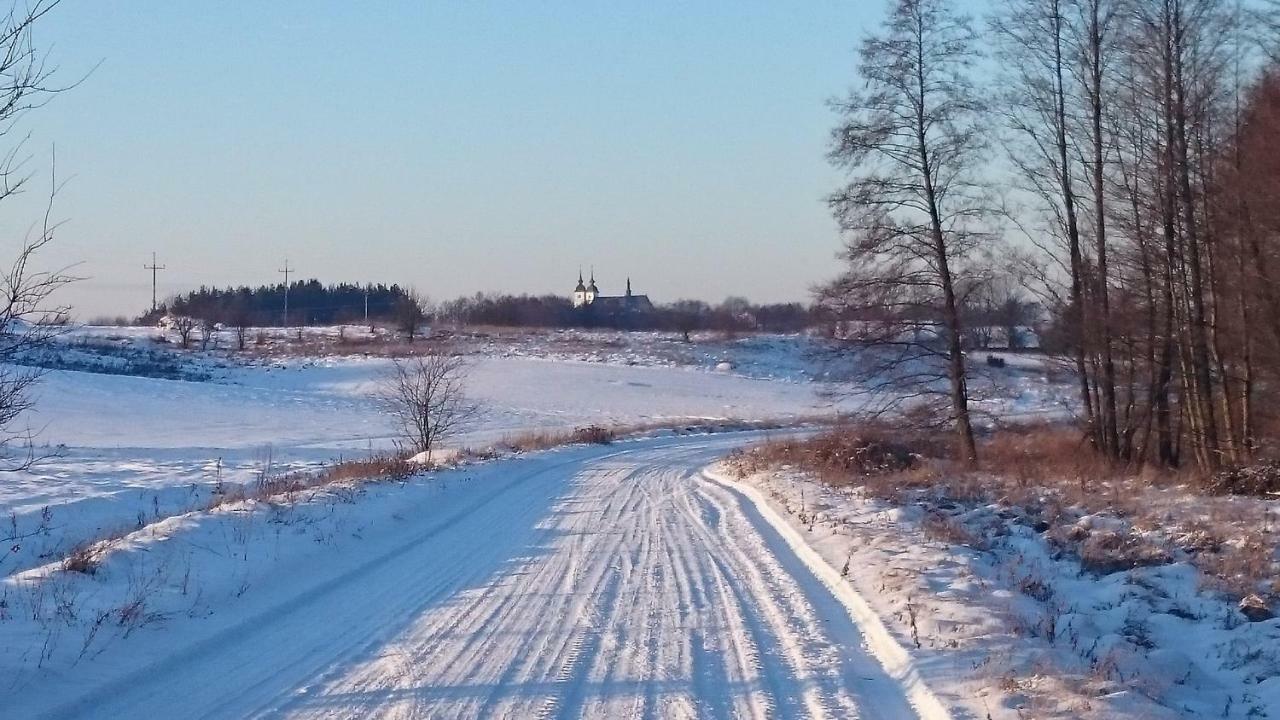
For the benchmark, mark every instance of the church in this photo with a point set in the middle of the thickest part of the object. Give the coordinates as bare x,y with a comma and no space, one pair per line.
588,296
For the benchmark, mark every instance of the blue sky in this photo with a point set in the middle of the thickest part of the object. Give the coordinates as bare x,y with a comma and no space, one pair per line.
455,147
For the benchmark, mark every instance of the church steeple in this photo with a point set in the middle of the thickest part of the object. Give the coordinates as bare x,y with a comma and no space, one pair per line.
581,288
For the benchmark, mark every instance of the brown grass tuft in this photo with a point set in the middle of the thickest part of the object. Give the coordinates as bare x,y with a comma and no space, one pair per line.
85,558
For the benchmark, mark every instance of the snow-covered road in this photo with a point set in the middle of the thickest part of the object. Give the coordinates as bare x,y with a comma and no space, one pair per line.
611,583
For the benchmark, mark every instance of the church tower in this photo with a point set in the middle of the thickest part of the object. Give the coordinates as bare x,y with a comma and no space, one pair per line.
592,290
580,292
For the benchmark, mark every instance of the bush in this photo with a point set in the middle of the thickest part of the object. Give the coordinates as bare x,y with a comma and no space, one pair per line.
1110,552
839,456
1259,480
593,435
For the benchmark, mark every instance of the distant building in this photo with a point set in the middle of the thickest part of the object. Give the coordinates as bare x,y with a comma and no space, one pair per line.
588,295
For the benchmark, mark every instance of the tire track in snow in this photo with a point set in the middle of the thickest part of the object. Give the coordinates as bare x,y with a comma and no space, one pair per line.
611,586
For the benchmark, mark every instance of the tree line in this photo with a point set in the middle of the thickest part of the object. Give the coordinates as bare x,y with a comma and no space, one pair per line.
312,303
686,316
309,303
1118,164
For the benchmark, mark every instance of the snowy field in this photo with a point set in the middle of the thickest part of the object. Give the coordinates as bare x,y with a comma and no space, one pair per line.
595,582
132,449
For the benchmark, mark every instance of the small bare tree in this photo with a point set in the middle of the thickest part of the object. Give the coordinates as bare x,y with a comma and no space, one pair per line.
208,333
426,394
241,320
410,313
184,326
688,316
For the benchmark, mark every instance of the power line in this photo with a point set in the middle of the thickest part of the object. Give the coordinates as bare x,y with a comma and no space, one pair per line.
153,267
286,272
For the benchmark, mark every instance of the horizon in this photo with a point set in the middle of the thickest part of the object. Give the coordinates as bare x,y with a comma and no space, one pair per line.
494,147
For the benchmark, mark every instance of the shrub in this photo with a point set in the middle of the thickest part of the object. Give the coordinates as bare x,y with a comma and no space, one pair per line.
1260,479
1109,552
953,531
593,435
840,455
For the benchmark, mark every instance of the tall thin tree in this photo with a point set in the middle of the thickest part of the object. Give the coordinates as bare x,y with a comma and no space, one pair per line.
913,209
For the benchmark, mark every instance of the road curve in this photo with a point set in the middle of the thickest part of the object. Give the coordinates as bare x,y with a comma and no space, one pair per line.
618,585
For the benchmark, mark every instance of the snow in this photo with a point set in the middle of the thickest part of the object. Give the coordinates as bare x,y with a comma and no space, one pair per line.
891,654
599,582
1010,627
602,582
133,449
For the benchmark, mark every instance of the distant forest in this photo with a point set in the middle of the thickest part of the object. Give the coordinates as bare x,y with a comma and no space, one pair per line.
310,303
734,314
314,303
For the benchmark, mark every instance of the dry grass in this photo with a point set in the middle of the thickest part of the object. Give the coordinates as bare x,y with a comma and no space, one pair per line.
1032,454
269,487
535,440
1110,551
379,468
1049,477
84,558
948,529
841,456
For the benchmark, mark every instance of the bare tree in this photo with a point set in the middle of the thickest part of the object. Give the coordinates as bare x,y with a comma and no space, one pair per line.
241,320
29,319
1161,268
410,313
208,333
184,325
426,394
687,316
1034,41
913,210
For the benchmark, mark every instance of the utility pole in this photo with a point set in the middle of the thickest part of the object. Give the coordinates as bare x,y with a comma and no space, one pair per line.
153,267
286,272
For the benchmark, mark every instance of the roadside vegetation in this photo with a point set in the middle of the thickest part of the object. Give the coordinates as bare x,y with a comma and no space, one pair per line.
1048,477
1103,573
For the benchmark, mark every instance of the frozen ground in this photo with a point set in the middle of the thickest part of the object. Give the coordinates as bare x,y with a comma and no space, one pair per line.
588,582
